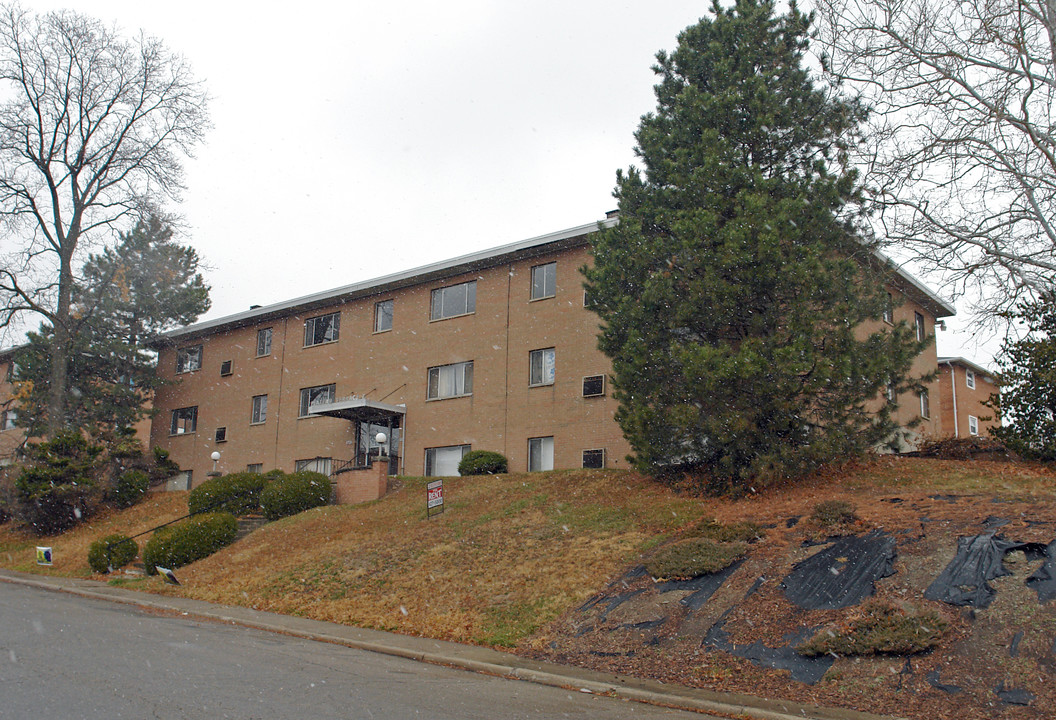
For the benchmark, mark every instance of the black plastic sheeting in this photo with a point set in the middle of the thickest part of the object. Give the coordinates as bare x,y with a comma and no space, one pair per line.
808,670
979,559
702,588
1043,581
1013,696
842,574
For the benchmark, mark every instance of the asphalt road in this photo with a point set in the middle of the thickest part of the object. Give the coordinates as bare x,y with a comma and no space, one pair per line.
63,656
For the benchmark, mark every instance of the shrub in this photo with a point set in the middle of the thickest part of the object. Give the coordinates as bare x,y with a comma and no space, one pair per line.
237,493
192,539
164,467
833,513
55,490
743,531
112,552
291,494
690,558
878,627
128,489
482,462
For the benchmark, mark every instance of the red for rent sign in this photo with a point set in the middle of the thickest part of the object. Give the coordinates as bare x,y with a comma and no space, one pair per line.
434,496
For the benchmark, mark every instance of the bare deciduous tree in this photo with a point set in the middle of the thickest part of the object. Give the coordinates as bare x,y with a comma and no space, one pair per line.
93,128
962,157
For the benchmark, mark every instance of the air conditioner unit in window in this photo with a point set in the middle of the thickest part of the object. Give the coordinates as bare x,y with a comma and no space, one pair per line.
225,367
594,459
221,434
594,386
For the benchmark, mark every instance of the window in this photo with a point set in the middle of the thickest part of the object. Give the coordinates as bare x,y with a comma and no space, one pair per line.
184,420
189,359
450,380
544,281
973,425
255,468
594,459
443,461
918,323
383,316
889,391
316,464
317,395
541,367
925,405
9,419
260,409
225,368
889,310
453,300
969,379
221,434
322,329
540,454
594,386
263,342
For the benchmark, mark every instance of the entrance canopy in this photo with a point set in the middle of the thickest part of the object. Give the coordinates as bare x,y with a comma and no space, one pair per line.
362,410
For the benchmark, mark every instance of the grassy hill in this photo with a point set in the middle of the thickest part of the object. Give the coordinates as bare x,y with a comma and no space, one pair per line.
544,564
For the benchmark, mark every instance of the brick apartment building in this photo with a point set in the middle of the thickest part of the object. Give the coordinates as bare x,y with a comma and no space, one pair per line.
11,436
964,387
490,351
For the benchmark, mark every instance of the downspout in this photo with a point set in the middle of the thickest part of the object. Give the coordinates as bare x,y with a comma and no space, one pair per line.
953,384
278,405
506,370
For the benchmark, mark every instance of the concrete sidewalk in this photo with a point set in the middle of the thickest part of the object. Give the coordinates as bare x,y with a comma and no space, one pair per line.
467,657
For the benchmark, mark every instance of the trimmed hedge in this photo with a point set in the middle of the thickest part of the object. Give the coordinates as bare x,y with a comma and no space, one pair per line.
482,462
294,493
237,493
192,539
112,552
128,489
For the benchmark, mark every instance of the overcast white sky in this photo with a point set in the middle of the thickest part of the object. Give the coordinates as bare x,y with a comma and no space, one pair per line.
354,139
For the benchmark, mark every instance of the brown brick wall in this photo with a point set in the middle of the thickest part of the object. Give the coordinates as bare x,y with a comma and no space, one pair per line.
953,385
502,413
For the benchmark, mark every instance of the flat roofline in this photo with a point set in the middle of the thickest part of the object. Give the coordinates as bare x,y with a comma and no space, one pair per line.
491,257
968,364
415,276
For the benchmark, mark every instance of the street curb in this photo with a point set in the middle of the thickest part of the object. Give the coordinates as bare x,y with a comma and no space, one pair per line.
442,652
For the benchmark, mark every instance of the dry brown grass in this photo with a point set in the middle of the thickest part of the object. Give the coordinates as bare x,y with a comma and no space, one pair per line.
511,553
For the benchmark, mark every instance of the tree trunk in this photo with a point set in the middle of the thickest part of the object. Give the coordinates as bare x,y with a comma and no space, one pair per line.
60,351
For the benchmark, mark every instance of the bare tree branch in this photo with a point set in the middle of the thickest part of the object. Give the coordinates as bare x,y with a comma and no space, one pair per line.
962,155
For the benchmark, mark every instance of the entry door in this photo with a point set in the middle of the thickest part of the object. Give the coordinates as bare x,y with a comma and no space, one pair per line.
367,448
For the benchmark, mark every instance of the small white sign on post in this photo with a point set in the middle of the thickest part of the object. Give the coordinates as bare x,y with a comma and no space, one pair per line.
43,555
434,498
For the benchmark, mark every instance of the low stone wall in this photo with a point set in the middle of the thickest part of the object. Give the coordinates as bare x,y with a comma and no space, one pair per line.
364,485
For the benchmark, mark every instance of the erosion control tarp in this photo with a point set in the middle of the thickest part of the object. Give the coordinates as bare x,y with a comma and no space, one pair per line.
842,574
804,669
979,559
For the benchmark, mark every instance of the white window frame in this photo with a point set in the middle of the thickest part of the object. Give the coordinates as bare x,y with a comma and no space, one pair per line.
449,381
9,420
541,453
920,327
380,315
544,281
430,469
258,415
255,468
331,335
264,336
889,310
973,425
184,421
925,404
969,378
314,395
316,464
542,367
600,393
453,301
189,359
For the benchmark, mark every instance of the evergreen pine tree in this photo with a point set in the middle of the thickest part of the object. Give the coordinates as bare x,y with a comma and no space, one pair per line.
1028,383
127,294
734,287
